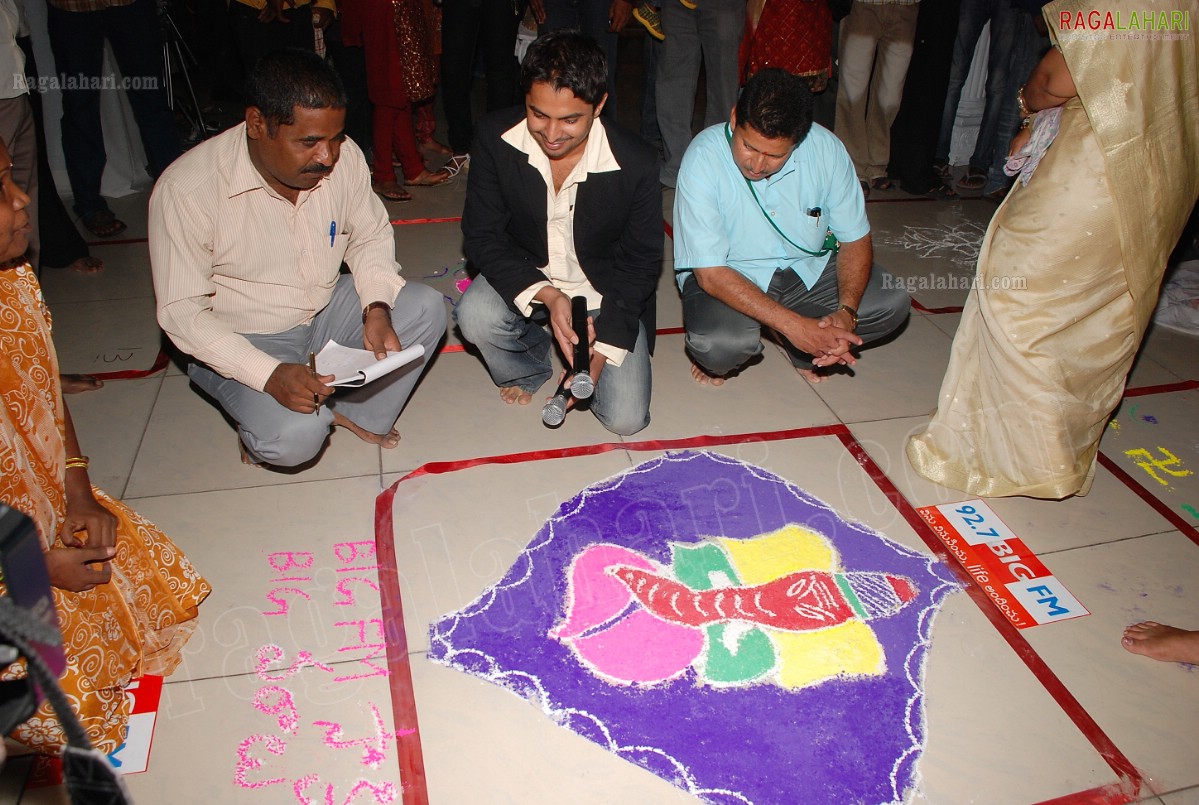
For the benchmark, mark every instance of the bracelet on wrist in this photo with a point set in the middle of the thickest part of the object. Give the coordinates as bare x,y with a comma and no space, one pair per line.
77,463
1022,105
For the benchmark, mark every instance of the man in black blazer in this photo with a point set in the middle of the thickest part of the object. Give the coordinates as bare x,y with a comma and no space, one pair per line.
562,204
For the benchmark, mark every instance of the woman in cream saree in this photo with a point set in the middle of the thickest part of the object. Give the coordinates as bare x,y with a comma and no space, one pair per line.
1070,265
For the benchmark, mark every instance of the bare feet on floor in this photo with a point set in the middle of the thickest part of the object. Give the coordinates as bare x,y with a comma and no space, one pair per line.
813,376
75,384
703,378
87,265
515,394
1159,642
246,458
389,440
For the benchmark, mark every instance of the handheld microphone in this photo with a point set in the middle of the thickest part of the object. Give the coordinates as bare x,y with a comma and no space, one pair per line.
581,385
554,411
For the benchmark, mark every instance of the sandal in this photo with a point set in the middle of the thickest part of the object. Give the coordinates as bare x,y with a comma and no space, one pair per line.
944,190
881,183
390,191
104,224
973,180
865,188
457,164
942,170
427,179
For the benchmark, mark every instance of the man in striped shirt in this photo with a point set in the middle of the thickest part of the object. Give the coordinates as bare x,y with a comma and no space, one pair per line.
248,232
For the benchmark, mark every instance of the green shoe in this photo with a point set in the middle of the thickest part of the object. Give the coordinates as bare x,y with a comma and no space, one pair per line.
647,15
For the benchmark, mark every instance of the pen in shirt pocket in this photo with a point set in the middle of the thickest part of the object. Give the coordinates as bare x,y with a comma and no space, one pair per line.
332,232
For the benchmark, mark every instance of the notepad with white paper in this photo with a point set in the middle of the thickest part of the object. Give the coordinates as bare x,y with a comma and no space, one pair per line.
357,367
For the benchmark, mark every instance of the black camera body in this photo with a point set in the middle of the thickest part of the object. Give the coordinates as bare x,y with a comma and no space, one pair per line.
23,571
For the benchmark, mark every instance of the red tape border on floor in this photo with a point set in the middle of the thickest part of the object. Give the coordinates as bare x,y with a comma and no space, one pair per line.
1174,518
411,758
160,363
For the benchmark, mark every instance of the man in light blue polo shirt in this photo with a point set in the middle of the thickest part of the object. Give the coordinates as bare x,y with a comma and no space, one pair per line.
756,202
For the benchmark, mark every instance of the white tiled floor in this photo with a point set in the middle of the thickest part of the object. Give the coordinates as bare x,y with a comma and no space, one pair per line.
996,732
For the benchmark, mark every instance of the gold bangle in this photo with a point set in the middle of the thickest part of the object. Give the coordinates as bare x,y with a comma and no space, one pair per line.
1021,105
77,463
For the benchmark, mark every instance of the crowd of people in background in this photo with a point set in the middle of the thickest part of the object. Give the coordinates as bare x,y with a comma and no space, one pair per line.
812,104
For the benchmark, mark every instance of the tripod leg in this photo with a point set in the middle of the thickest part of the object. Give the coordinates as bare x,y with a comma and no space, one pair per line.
191,91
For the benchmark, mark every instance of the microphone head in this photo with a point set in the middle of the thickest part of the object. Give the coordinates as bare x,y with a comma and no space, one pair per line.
554,411
581,386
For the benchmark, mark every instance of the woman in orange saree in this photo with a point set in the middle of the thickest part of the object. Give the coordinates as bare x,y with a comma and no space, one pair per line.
126,597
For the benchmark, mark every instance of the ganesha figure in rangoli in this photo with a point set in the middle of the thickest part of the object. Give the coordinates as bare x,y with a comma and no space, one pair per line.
773,608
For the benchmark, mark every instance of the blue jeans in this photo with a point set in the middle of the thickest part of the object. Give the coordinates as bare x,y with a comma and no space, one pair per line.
1027,48
974,15
77,39
516,350
720,339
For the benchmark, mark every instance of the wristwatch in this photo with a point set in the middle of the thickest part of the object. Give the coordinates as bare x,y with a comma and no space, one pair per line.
374,306
853,314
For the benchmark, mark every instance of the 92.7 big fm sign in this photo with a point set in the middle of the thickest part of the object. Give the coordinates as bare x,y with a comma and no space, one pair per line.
1011,575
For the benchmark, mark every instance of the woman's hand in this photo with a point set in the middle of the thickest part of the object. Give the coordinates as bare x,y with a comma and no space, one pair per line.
1019,141
84,513
71,568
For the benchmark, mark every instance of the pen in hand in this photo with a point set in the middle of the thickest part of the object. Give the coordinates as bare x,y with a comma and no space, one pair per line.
312,365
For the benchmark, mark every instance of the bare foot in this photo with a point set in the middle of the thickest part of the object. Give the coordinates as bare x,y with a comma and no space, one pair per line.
1165,643
811,375
76,384
703,378
87,265
515,394
246,458
389,440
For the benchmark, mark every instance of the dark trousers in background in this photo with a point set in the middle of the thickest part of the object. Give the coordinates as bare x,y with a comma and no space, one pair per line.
917,127
591,18
491,26
255,39
77,39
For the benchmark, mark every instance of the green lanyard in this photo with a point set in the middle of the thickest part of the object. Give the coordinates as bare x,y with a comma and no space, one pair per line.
830,240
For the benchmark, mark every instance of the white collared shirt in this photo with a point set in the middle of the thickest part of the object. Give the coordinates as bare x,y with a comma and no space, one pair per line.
231,256
563,270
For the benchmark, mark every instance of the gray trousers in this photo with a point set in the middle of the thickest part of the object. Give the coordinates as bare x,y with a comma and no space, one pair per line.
281,437
721,339
713,30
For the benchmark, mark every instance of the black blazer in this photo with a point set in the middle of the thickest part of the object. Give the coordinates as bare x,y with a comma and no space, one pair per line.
617,225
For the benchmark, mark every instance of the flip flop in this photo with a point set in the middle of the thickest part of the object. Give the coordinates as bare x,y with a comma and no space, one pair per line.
943,190
973,180
865,188
394,193
881,183
104,224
